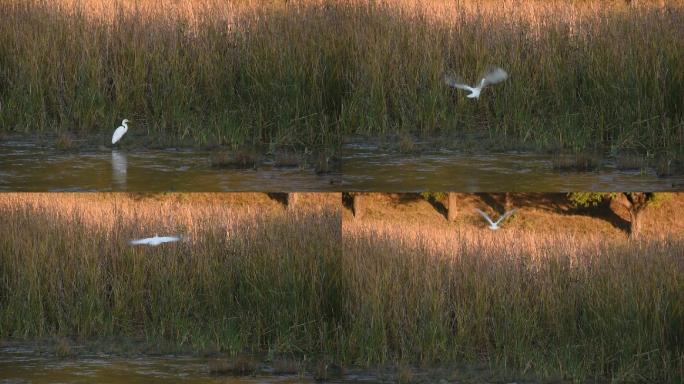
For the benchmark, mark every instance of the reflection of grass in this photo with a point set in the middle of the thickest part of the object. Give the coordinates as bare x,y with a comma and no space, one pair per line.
552,306
304,73
249,277
242,365
236,160
579,162
64,142
62,348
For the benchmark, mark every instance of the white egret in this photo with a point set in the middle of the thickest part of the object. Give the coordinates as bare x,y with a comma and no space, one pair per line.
156,240
494,225
494,76
119,132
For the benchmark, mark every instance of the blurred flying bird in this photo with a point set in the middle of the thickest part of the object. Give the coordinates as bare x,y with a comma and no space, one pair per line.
494,225
494,76
119,132
154,241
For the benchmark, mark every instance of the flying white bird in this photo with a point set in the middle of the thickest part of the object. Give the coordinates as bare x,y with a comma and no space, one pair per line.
494,225
156,240
494,76
119,132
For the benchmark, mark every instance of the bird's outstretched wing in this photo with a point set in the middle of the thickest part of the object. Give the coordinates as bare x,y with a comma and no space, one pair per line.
156,240
139,241
454,82
166,239
485,216
505,215
493,76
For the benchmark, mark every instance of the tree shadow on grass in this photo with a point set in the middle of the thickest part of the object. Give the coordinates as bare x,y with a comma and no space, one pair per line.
281,198
602,211
557,203
438,206
405,198
348,201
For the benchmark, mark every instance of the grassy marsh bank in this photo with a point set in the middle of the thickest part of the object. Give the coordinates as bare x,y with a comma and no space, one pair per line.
542,298
248,275
305,74
398,288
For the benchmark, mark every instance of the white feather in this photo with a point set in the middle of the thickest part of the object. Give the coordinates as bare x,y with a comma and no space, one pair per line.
494,76
494,225
154,241
486,216
119,132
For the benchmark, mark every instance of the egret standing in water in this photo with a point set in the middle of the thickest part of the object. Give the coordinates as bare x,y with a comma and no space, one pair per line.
494,76
154,241
494,225
120,131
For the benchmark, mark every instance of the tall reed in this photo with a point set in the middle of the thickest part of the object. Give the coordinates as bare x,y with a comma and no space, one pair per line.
584,74
556,306
530,305
240,280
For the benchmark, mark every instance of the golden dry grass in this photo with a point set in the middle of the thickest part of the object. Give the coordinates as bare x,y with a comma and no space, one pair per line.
402,286
68,269
588,74
554,294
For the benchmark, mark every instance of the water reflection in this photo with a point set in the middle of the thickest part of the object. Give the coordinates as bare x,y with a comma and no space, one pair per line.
24,364
119,168
28,167
368,168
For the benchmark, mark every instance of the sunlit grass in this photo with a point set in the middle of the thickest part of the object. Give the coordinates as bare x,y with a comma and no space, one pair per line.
547,306
255,277
246,278
584,74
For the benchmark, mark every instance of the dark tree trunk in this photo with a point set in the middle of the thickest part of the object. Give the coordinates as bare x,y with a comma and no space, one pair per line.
635,203
635,224
452,206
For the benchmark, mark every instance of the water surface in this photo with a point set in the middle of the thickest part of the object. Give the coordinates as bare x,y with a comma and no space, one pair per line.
23,364
29,167
366,167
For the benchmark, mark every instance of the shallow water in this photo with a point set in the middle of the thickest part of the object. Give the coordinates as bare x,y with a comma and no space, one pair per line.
28,167
368,168
27,365
364,167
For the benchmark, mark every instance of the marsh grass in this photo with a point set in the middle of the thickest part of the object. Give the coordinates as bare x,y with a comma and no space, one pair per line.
551,306
257,278
584,74
244,278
